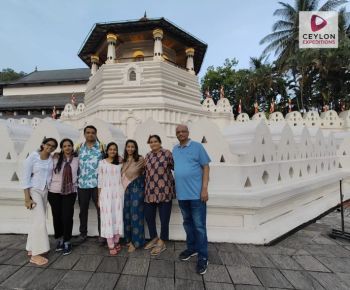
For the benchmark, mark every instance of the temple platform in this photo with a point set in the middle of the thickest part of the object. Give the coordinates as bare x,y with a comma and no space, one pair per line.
308,259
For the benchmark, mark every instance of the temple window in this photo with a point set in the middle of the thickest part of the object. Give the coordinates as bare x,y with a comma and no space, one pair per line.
132,75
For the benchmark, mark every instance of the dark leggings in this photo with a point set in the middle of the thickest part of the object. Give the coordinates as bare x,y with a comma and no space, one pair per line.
62,207
150,210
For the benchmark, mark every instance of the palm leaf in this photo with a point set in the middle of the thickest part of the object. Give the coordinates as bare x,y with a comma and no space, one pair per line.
284,37
314,4
282,24
304,5
276,45
332,5
284,13
276,35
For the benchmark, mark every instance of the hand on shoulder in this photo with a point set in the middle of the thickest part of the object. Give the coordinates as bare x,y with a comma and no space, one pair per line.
56,155
142,160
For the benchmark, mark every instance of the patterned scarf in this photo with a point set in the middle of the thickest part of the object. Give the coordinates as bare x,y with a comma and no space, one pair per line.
67,177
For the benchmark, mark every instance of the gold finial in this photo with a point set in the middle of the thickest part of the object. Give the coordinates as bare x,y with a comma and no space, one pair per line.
158,33
190,51
94,58
111,37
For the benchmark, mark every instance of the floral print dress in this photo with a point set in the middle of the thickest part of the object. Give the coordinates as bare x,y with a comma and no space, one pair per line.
111,199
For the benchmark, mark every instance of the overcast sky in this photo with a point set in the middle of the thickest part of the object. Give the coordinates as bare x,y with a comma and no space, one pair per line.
49,33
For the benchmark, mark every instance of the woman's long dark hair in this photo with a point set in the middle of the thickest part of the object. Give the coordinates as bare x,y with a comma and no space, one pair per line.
45,140
116,158
136,155
61,154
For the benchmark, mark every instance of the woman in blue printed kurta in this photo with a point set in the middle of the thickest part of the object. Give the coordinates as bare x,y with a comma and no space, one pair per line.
134,184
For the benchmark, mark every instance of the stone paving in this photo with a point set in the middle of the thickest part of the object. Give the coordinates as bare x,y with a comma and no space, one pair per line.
308,259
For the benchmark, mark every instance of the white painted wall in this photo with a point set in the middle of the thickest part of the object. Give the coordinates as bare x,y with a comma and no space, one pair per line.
276,174
276,199
44,89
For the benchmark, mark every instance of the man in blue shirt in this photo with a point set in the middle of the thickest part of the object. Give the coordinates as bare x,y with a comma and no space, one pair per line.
191,182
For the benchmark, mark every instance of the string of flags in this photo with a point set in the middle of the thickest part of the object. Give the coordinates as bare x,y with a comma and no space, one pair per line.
289,106
342,107
53,114
239,106
222,93
73,100
256,107
272,106
207,94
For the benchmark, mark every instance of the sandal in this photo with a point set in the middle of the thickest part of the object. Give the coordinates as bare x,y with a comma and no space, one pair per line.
39,261
151,244
113,252
118,247
131,248
158,249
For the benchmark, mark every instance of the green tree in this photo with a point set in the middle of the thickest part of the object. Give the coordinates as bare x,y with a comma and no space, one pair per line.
311,77
267,84
315,76
220,76
284,39
260,82
8,74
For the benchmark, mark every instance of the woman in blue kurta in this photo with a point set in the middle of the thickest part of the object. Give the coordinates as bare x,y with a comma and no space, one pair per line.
133,181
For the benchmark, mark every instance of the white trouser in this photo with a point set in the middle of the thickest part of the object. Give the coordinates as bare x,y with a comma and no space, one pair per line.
38,239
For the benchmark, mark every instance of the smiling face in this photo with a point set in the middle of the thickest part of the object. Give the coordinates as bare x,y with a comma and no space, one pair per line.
67,148
154,144
130,148
49,147
90,135
112,151
182,133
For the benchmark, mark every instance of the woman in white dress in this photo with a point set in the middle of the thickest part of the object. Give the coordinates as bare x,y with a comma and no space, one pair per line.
111,198
37,172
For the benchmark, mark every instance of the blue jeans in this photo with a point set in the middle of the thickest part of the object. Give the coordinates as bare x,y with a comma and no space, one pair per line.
194,213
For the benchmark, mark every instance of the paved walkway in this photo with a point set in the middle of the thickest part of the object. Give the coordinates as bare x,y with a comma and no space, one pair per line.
308,260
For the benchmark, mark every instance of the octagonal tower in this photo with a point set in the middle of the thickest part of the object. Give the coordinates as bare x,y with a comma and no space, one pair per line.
142,69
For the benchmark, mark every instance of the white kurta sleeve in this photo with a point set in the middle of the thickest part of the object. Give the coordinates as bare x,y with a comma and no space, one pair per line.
27,171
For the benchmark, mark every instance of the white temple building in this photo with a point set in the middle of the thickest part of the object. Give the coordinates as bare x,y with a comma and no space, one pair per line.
267,176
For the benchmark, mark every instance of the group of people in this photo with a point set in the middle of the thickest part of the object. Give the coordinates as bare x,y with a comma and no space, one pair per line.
126,190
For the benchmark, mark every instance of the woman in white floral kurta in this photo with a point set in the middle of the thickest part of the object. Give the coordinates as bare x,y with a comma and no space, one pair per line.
111,198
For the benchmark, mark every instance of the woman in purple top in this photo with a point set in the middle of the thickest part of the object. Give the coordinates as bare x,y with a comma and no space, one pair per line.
63,193
159,193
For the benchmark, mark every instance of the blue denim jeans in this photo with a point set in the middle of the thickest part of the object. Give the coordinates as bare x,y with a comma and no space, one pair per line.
194,213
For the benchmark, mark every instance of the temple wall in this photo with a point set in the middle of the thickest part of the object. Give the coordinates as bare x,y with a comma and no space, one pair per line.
44,89
268,175
266,178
